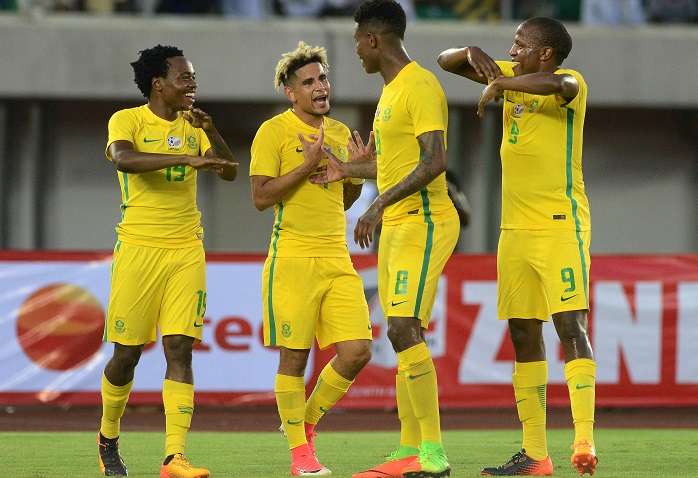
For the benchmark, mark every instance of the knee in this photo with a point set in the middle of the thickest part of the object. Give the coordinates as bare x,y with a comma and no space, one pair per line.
521,338
394,335
178,351
123,363
571,330
358,358
363,356
403,334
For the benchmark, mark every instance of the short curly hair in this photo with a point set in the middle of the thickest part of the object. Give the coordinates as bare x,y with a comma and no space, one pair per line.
551,32
152,63
292,61
387,16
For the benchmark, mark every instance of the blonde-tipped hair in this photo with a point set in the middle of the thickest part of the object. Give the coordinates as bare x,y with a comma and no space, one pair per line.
293,60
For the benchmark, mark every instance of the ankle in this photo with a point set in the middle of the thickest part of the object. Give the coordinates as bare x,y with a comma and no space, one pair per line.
300,451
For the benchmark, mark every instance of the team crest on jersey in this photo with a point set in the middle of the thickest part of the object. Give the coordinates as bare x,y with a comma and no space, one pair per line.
191,142
174,142
518,110
386,114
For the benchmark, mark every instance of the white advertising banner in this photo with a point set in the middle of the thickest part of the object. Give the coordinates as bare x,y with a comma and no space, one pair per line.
53,313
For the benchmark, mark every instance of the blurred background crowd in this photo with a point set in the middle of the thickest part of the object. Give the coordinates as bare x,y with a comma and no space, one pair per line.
588,12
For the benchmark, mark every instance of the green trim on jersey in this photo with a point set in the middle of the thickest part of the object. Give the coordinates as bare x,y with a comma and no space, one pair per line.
573,201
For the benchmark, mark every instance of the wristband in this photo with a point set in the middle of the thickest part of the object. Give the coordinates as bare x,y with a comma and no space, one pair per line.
357,181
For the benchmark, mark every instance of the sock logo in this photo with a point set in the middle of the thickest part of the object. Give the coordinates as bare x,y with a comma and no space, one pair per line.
414,377
294,423
579,387
185,409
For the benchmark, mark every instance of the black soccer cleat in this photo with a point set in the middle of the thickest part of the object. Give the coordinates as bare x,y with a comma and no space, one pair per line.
110,461
522,465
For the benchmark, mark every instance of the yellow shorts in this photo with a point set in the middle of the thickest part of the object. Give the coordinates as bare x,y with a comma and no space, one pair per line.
308,297
411,257
153,287
542,272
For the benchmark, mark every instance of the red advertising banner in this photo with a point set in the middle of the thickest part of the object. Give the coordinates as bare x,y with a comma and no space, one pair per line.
643,327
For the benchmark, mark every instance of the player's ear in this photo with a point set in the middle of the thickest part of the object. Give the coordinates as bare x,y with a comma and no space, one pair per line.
289,94
157,83
546,53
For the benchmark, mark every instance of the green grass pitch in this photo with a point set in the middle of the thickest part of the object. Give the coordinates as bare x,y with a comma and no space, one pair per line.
635,453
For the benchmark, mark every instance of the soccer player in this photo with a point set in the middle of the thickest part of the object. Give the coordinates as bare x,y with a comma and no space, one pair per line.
420,226
310,288
158,276
543,253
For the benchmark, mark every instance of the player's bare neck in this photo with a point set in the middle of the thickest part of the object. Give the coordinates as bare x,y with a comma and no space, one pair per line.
311,120
393,63
162,110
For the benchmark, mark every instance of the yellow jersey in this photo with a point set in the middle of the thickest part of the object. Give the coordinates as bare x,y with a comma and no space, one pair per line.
413,103
542,183
311,221
158,208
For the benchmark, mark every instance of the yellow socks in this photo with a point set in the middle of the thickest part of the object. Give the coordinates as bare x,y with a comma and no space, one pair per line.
416,365
114,400
290,400
530,380
410,432
580,375
178,399
329,389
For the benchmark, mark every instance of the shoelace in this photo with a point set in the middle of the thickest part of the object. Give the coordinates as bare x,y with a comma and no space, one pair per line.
424,455
308,463
181,461
392,457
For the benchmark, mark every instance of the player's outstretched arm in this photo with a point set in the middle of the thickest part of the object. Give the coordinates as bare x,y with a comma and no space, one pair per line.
219,148
337,170
128,160
470,62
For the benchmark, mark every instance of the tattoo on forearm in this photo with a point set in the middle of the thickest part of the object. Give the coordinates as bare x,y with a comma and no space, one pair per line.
220,148
363,169
431,164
